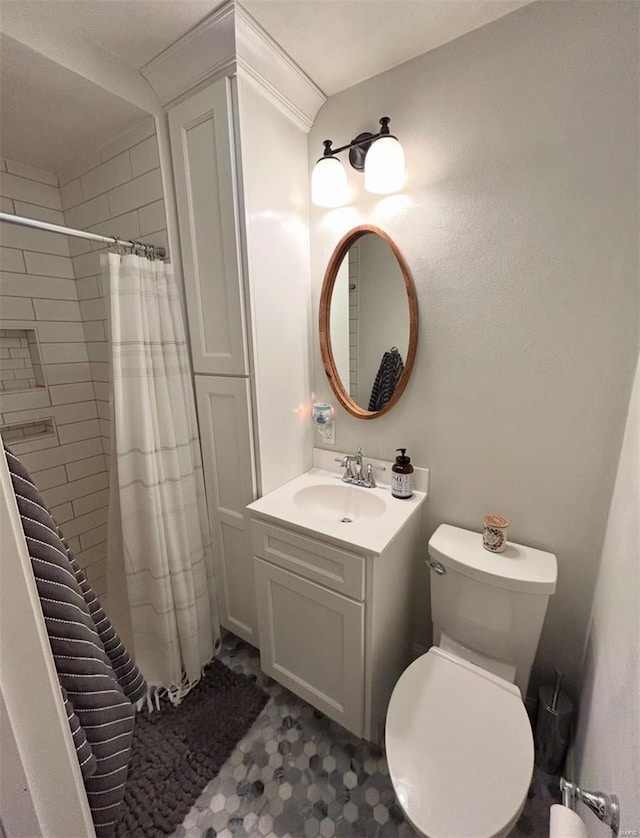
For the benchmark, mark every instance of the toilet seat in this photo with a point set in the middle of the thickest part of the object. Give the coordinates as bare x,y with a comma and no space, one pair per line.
459,748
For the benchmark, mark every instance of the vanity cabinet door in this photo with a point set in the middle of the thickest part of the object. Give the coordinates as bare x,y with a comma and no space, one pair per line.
202,148
329,566
227,454
312,641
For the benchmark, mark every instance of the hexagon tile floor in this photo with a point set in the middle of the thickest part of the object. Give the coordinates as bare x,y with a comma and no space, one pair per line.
296,774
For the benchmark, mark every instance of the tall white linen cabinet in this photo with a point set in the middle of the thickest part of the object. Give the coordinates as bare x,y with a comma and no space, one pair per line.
238,111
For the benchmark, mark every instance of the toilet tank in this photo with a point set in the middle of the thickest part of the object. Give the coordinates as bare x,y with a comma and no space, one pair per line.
489,607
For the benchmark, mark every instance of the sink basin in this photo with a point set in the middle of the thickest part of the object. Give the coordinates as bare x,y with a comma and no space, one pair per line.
318,503
342,503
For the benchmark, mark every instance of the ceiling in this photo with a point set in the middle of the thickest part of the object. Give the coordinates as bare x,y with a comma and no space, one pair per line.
49,116
134,30
338,43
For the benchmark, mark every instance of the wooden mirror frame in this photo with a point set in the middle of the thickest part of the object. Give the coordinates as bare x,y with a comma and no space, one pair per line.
342,248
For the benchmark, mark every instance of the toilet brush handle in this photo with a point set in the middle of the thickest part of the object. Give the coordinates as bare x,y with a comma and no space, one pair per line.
556,689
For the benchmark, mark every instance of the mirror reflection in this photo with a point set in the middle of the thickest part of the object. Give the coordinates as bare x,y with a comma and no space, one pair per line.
369,323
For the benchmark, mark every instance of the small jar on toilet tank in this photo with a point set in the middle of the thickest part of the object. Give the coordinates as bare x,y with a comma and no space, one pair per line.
494,533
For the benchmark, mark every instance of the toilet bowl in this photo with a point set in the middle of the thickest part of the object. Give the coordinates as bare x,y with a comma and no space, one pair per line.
459,742
459,748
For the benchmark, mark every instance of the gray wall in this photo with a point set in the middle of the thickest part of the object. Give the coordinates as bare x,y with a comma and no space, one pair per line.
519,221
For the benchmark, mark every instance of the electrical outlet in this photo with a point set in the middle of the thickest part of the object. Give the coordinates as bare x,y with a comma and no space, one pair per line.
328,433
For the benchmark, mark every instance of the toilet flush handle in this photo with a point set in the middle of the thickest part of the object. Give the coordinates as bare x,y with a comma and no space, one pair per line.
437,567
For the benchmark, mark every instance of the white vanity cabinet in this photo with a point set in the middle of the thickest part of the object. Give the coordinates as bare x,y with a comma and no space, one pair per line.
334,622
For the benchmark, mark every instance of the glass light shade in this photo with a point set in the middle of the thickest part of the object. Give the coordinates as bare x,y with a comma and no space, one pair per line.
384,166
329,183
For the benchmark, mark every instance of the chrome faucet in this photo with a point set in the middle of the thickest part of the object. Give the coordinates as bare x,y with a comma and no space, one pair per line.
353,473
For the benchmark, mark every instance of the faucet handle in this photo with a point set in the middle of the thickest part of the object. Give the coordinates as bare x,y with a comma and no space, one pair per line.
369,480
346,463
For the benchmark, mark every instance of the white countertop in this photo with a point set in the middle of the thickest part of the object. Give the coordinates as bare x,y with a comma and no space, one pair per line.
368,535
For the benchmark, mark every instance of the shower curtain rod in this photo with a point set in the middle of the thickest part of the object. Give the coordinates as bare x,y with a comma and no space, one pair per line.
158,251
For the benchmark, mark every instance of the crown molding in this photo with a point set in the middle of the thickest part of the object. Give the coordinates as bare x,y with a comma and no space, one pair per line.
228,41
204,52
275,74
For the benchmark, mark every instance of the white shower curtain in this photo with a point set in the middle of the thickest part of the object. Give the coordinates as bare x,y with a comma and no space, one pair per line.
158,525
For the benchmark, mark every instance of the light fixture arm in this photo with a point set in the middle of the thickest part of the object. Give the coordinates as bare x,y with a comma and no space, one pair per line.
359,146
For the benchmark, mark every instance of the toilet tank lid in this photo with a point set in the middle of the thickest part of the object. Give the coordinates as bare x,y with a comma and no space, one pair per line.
518,568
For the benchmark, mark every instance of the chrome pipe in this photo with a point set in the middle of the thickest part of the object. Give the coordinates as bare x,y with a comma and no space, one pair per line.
10,218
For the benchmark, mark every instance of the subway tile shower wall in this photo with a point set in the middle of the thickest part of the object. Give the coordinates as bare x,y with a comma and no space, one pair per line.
115,192
39,302
53,284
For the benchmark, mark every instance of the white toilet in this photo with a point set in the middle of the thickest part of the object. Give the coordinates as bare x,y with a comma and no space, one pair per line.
458,739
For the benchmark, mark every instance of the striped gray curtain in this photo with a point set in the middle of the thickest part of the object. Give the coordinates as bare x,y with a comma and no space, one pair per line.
98,679
158,524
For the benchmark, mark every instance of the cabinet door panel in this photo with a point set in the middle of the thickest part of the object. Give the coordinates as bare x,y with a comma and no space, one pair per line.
312,641
227,453
204,169
330,566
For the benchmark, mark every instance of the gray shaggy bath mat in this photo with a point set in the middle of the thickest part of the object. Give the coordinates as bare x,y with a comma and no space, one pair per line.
176,751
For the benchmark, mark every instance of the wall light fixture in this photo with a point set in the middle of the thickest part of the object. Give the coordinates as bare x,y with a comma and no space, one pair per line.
380,156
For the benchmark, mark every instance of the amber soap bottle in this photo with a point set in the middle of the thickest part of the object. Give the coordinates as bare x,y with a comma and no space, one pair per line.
402,476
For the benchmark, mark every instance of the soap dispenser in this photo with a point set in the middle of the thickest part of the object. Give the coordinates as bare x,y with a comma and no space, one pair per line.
402,477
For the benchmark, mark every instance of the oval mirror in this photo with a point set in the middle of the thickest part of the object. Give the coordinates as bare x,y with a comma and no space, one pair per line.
368,322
